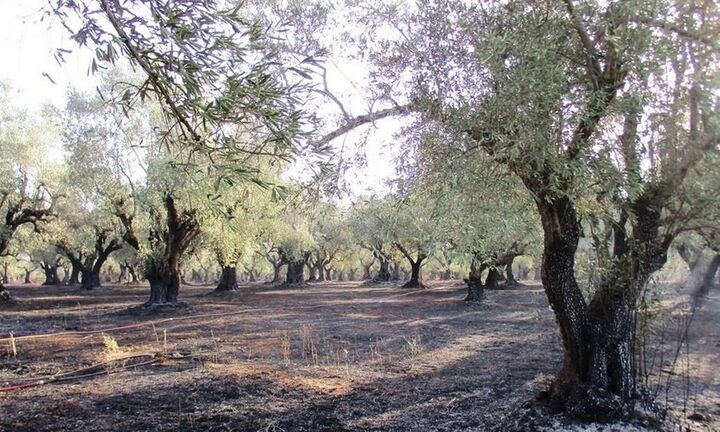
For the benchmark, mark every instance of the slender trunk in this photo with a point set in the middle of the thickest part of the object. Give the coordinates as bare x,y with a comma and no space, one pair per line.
123,274
320,271
228,279
510,281
351,274
328,274
74,275
708,281
27,279
5,279
538,272
415,274
276,272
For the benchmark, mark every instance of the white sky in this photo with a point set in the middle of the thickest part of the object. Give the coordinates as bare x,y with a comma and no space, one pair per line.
26,53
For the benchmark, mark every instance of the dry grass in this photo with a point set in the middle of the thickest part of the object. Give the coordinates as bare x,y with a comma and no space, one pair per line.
331,357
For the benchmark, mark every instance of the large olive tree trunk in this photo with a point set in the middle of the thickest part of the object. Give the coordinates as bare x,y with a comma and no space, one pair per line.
474,282
295,273
228,279
162,267
597,379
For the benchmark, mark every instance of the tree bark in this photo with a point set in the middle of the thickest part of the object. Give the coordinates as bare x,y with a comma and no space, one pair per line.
476,290
277,266
415,275
163,267
51,276
395,272
27,279
164,284
228,279
493,276
351,275
384,272
5,279
707,282
5,296
510,281
295,273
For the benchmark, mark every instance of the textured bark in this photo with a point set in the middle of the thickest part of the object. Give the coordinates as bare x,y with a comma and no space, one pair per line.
384,272
277,266
707,282
509,275
51,275
476,290
163,269
228,279
415,276
352,275
493,276
295,273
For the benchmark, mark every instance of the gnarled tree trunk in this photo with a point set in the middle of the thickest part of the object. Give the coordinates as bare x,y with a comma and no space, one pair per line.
474,282
228,279
163,267
295,273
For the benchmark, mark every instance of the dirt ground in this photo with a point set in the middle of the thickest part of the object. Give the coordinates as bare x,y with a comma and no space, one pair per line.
330,357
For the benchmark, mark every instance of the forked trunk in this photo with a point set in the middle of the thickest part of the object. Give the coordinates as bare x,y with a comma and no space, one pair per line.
228,279
597,379
415,276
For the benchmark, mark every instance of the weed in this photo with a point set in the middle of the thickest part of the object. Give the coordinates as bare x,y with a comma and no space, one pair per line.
111,345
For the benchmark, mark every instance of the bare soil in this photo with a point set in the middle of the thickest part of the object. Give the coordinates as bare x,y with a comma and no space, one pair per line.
328,357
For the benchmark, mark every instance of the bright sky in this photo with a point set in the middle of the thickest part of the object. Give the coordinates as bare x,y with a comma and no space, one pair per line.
26,52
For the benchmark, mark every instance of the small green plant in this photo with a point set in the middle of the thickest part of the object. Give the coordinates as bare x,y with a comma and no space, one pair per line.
111,345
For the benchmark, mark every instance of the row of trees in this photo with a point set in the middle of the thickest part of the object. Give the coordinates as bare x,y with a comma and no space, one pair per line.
574,120
146,214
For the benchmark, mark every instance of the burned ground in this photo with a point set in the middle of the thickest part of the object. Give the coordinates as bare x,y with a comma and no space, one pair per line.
330,357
